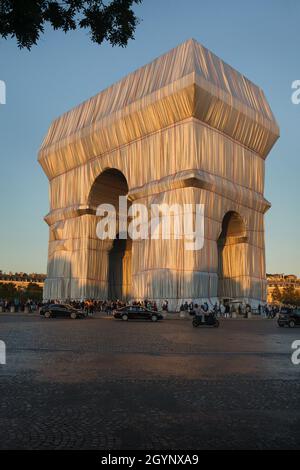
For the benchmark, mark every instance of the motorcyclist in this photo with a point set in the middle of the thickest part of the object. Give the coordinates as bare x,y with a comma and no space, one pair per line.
200,312
206,312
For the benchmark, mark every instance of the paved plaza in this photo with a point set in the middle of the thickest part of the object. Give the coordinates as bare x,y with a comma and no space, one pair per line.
101,384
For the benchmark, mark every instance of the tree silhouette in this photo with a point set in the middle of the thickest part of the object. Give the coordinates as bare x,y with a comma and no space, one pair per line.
33,291
114,20
276,294
290,295
8,291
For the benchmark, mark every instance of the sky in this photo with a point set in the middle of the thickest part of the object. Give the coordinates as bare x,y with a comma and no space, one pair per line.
260,38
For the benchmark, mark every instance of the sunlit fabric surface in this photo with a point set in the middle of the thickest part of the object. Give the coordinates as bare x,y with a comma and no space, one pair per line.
187,129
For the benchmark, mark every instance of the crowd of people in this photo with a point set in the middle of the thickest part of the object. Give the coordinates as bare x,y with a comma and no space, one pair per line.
269,311
19,305
221,309
231,309
91,306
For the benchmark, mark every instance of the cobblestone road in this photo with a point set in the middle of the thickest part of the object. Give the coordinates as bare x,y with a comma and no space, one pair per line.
103,384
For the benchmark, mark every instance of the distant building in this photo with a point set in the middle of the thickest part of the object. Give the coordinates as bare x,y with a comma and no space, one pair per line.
282,281
21,280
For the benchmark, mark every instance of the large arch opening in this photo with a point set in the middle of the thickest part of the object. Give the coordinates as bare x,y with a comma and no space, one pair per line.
119,270
106,189
232,247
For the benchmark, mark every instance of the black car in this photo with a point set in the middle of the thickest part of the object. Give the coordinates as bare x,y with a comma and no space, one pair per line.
61,310
134,312
289,317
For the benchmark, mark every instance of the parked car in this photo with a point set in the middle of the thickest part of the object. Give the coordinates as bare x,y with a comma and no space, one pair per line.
133,312
289,317
61,310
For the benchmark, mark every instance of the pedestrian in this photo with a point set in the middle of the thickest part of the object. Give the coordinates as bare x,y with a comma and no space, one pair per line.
227,311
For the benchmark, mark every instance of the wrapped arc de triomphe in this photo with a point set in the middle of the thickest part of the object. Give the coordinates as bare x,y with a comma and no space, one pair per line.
186,128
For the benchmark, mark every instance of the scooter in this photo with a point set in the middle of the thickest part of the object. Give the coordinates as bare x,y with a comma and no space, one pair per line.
210,320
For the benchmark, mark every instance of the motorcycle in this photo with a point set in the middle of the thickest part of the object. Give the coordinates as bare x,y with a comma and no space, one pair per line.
210,320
